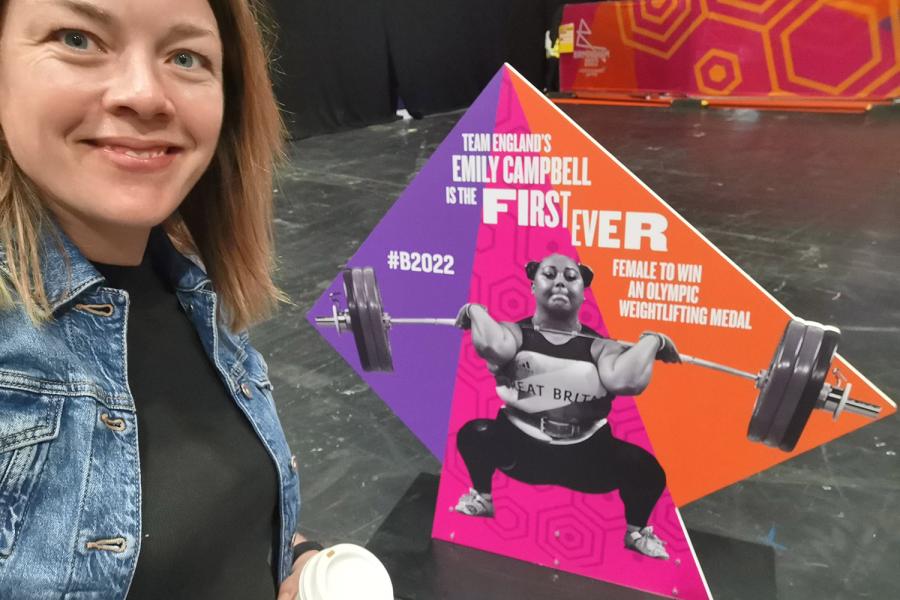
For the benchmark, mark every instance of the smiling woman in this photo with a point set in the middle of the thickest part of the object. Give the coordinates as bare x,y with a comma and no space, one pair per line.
115,114
105,99
138,145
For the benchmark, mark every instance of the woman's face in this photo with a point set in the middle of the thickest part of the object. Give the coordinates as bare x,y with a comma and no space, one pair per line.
558,287
112,107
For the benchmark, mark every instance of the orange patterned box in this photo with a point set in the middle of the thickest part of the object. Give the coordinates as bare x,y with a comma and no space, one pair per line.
773,49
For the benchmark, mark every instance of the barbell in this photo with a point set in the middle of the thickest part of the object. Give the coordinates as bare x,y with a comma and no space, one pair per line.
789,390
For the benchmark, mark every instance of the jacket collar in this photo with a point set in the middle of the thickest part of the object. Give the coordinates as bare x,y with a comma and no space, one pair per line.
185,273
67,273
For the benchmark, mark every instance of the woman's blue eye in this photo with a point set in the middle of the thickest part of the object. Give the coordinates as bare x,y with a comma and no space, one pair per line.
76,39
185,60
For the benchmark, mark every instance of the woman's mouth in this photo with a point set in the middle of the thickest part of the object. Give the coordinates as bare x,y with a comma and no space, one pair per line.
140,156
154,153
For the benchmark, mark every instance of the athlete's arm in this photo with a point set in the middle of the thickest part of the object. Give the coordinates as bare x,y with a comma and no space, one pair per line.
625,371
497,343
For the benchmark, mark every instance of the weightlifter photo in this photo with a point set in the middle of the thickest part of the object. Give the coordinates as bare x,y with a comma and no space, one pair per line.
557,379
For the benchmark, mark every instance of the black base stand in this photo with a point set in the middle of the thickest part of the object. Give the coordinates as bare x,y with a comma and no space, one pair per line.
426,569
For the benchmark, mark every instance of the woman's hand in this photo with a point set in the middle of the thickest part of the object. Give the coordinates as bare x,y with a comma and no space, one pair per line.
493,341
290,587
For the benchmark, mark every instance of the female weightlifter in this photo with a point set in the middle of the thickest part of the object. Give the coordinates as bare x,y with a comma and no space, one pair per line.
140,451
557,391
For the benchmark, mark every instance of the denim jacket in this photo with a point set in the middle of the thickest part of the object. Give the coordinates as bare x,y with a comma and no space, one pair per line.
70,488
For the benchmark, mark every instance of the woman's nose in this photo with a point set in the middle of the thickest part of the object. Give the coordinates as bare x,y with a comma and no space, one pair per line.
138,88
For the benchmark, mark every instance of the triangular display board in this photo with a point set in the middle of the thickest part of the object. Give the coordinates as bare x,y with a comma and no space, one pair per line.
516,181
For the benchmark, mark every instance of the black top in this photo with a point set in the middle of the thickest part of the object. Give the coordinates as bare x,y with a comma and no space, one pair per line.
209,510
576,348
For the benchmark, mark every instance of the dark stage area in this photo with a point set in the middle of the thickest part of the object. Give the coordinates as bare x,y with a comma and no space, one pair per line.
807,204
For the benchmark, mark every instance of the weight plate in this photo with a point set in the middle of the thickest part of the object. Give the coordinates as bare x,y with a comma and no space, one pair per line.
379,329
365,320
355,320
810,349
777,377
381,360
372,321
810,396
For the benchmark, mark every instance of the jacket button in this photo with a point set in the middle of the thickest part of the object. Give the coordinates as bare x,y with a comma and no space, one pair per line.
117,545
114,424
294,462
246,391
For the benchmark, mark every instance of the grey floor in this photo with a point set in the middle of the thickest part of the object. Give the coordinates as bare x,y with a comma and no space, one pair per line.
808,204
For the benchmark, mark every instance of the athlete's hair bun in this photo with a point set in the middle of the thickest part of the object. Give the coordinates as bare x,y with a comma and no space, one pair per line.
587,275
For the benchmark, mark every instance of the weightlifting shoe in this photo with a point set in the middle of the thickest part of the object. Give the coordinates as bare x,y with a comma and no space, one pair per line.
645,542
475,504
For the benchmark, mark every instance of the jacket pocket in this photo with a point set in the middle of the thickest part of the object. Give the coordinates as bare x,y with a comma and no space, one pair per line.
27,424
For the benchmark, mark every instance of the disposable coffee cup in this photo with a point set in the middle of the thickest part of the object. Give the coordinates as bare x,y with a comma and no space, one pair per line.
345,572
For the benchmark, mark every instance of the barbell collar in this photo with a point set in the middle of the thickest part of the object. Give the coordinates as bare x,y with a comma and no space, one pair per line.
862,408
340,321
837,400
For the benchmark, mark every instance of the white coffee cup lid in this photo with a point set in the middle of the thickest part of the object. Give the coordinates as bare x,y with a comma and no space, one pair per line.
345,572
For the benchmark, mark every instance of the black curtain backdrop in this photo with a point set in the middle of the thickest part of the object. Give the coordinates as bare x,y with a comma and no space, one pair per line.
332,68
343,63
444,53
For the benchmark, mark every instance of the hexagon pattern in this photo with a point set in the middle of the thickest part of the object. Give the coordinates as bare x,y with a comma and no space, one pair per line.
718,72
847,29
809,48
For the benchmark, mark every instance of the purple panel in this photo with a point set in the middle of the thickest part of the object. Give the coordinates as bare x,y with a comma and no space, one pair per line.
420,389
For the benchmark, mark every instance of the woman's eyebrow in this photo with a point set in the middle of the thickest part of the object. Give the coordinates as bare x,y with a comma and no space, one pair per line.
104,17
88,10
187,31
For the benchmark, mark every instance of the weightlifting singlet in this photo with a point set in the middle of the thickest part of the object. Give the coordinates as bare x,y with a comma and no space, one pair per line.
556,381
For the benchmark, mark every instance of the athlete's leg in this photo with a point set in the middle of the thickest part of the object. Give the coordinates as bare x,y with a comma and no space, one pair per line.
606,463
640,479
483,449
477,444
611,463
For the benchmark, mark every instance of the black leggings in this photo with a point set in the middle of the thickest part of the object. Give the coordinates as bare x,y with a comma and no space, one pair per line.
597,465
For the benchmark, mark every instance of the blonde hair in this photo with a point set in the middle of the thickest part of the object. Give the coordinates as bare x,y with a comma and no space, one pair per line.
226,219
